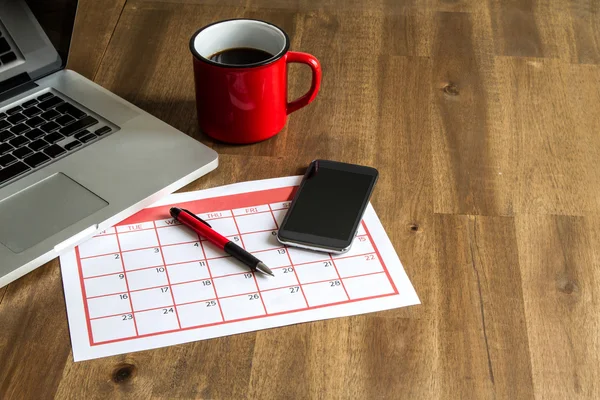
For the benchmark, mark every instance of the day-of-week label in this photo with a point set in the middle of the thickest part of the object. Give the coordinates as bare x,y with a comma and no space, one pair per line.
166,222
135,227
251,210
108,231
280,206
215,214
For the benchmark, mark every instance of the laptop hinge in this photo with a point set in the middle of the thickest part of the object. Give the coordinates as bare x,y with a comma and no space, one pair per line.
16,85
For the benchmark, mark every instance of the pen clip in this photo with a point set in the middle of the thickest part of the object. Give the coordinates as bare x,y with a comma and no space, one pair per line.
196,217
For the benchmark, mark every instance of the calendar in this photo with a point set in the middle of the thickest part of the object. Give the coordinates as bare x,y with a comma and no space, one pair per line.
150,282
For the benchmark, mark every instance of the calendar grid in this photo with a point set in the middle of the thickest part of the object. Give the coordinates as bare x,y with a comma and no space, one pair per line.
211,279
237,228
88,322
339,277
167,275
126,284
206,287
387,273
289,259
212,297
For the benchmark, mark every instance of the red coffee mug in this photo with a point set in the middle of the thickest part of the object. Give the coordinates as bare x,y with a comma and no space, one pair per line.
246,103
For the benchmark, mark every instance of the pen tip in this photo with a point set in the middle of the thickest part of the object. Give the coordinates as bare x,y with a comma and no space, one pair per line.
264,269
174,211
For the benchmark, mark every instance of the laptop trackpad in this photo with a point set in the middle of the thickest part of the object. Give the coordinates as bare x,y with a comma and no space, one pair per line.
44,209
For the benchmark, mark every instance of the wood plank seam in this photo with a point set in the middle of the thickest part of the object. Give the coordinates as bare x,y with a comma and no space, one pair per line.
108,44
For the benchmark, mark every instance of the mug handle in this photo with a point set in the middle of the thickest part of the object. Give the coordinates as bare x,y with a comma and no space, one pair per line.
313,63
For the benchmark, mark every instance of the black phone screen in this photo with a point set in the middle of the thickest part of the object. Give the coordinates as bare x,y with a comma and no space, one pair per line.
330,201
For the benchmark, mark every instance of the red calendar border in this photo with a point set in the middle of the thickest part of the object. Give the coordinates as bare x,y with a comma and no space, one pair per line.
229,202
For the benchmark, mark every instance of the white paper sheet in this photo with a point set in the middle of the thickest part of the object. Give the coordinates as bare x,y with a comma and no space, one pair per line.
149,282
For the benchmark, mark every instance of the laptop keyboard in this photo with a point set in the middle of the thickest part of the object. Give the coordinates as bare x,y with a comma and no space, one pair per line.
40,130
6,53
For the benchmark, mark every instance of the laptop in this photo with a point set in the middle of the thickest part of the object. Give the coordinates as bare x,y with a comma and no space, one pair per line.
74,158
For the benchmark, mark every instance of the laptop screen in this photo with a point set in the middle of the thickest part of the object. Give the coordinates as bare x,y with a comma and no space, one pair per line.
35,36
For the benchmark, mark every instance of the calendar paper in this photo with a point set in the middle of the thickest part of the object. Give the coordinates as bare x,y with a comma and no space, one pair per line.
150,282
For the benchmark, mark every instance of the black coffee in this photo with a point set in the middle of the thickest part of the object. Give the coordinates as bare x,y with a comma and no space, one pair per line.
240,56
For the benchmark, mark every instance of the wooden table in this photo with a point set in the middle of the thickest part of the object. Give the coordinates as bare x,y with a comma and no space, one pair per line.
483,120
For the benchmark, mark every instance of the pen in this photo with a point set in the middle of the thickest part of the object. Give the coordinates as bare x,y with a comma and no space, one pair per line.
203,229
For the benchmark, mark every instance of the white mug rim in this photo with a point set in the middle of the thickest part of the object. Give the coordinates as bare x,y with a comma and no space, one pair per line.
268,61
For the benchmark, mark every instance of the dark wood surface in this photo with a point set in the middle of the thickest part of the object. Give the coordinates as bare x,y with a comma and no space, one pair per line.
483,120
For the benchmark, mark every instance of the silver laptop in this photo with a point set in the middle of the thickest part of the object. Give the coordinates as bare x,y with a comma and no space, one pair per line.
74,158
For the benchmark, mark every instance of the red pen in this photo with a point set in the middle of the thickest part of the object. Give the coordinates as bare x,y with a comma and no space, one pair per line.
203,229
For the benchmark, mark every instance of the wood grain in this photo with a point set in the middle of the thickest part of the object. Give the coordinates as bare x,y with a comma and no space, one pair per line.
482,120
551,133
94,26
560,278
483,336
586,30
33,310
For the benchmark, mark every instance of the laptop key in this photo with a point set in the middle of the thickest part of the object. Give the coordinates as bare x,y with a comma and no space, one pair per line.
45,96
64,119
34,134
31,111
51,102
16,118
12,171
4,46
4,124
18,142
67,108
38,145
29,103
8,57
35,121
72,145
50,114
2,115
7,159
102,131
78,125
82,134
5,148
18,129
53,137
5,135
54,151
14,110
36,160
88,138
22,152
50,126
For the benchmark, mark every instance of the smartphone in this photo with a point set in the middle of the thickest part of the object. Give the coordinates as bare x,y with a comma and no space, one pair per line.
328,206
